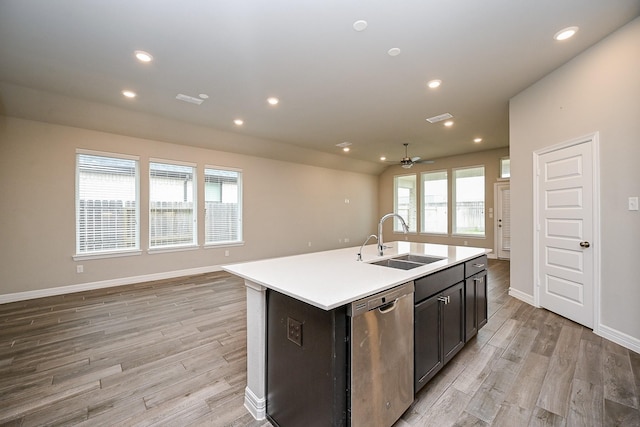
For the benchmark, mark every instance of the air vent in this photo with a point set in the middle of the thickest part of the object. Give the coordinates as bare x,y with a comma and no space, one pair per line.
343,144
441,117
189,99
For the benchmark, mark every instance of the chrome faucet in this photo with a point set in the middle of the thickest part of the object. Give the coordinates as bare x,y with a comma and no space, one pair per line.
381,246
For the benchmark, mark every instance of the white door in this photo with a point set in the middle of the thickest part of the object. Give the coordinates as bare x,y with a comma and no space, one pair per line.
565,206
503,220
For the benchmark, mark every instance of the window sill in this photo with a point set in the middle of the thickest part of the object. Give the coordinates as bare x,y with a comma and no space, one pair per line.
165,249
223,245
102,255
471,236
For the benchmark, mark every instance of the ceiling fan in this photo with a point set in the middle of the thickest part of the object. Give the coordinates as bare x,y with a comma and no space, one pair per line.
407,161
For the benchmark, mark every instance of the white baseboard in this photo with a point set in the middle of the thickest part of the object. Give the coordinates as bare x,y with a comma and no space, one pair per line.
521,296
618,337
256,406
40,293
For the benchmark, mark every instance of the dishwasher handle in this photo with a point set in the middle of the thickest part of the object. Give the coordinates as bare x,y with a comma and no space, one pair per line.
389,307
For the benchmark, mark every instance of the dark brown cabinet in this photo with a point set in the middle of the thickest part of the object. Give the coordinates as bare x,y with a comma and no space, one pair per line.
439,329
475,296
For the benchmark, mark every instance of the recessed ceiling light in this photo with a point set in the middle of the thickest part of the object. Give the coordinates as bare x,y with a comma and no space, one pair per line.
346,149
477,140
238,122
565,33
129,93
448,123
360,25
273,100
394,51
204,96
383,158
143,56
434,84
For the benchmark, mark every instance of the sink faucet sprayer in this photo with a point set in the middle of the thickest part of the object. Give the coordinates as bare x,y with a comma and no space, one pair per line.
381,246
363,245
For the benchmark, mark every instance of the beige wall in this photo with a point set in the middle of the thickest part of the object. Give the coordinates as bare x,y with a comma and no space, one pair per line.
286,206
491,161
598,91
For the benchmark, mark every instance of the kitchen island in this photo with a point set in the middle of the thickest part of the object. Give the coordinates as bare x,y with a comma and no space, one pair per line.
327,281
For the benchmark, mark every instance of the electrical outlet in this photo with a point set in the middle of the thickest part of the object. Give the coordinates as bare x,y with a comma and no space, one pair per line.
633,203
294,331
226,253
80,268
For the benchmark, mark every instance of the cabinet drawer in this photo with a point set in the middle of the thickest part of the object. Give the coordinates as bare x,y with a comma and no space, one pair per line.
437,282
475,266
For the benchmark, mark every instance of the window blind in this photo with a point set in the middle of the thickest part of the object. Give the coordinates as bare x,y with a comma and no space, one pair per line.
469,201
434,202
107,204
405,202
171,205
223,209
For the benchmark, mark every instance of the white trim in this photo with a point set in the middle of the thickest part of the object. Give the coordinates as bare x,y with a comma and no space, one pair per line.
223,244
173,162
257,407
524,297
101,255
165,249
107,154
618,337
594,139
496,188
224,168
492,255
21,296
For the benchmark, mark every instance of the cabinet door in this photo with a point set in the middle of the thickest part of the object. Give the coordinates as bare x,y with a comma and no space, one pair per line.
470,309
482,312
428,348
453,321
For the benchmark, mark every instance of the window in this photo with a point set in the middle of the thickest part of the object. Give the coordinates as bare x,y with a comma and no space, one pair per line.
434,202
222,206
107,204
405,202
469,201
172,222
505,168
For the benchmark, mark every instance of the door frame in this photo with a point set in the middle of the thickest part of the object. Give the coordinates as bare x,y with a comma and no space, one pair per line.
593,140
496,190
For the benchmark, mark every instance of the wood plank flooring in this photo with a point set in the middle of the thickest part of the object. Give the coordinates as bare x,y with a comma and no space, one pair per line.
173,353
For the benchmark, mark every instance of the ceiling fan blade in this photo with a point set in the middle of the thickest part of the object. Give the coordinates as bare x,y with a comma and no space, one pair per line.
415,159
425,162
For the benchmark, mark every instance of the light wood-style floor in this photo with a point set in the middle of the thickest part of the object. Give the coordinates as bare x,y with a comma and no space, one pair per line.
173,352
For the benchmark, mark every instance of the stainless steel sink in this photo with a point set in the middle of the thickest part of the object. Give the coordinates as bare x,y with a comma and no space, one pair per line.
407,262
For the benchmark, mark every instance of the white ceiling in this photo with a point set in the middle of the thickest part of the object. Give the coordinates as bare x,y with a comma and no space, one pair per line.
335,84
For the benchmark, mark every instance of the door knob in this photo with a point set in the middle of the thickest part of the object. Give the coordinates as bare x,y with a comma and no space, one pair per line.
585,244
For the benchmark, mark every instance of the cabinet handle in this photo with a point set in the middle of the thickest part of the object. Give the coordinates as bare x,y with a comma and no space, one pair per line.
477,279
478,265
445,300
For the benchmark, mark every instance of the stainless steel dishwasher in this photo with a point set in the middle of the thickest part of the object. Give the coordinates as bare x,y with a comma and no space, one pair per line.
381,345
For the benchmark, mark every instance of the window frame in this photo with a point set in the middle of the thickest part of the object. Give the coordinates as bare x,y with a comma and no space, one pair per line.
454,203
239,195
193,244
501,169
413,225
119,252
423,203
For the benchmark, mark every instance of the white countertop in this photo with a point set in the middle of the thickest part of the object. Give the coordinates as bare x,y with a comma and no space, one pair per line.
334,278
